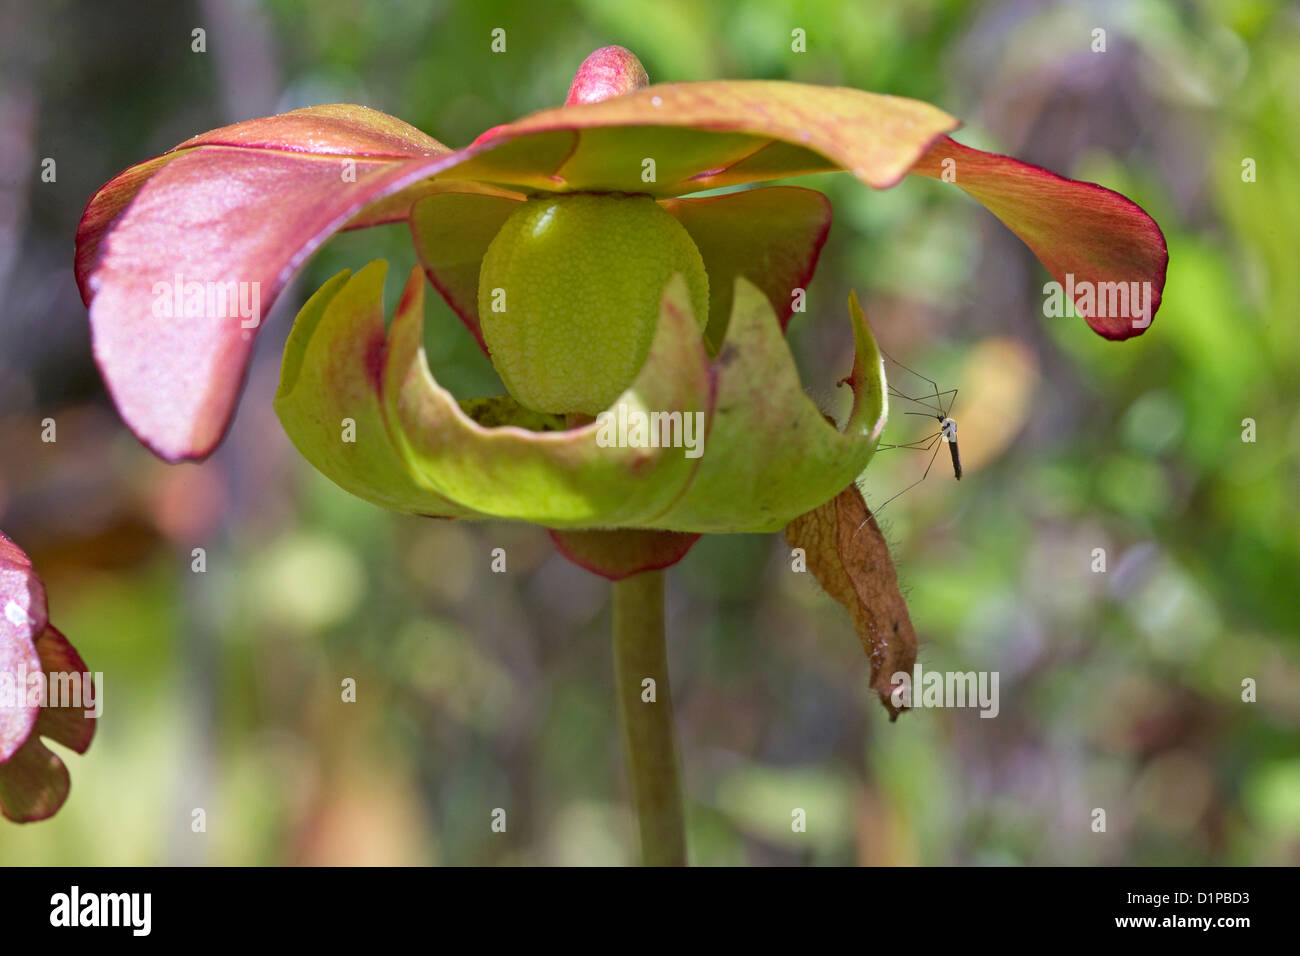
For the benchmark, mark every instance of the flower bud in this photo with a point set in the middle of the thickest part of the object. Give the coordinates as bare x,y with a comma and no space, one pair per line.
610,71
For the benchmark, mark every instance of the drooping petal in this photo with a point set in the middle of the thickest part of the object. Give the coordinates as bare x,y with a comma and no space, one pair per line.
850,559
1089,238
67,722
770,236
771,455
340,130
214,233
33,781
452,231
102,211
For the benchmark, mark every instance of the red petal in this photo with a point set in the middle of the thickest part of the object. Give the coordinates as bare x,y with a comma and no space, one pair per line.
23,616
247,204
104,207
21,588
1079,230
338,129
34,783
770,236
69,725
617,554
452,231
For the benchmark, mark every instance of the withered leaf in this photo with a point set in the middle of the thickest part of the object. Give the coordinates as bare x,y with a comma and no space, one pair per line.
848,556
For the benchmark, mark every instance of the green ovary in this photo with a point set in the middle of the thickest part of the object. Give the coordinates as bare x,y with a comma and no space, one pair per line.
569,291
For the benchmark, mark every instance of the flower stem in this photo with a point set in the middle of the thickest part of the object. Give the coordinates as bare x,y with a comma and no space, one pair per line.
648,736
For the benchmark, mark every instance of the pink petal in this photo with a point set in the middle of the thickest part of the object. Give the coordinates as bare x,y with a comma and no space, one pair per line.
247,205
33,781
610,71
1081,232
23,616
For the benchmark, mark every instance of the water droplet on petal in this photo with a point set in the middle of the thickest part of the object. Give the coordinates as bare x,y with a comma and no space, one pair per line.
17,616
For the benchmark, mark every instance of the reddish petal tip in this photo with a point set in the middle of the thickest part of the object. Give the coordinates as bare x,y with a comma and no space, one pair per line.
489,133
610,71
620,553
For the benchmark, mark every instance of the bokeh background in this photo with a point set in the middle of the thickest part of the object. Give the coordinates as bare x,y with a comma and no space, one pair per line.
1120,690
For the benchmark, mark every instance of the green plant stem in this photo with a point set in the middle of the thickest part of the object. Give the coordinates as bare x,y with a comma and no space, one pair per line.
649,740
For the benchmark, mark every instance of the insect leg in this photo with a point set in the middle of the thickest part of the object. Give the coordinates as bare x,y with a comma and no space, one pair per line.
933,383
876,511
921,444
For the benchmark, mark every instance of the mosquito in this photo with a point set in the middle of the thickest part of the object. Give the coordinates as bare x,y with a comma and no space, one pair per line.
937,406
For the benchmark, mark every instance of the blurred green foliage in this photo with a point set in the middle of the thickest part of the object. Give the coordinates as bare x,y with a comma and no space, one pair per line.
1120,690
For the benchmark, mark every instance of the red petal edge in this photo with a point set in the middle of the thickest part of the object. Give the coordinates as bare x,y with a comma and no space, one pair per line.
175,381
34,782
1084,234
621,553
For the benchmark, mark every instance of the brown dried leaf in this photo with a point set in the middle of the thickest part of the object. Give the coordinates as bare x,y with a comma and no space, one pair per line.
848,556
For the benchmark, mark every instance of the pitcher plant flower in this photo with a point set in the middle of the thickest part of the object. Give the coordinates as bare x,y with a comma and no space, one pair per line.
638,329
45,692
